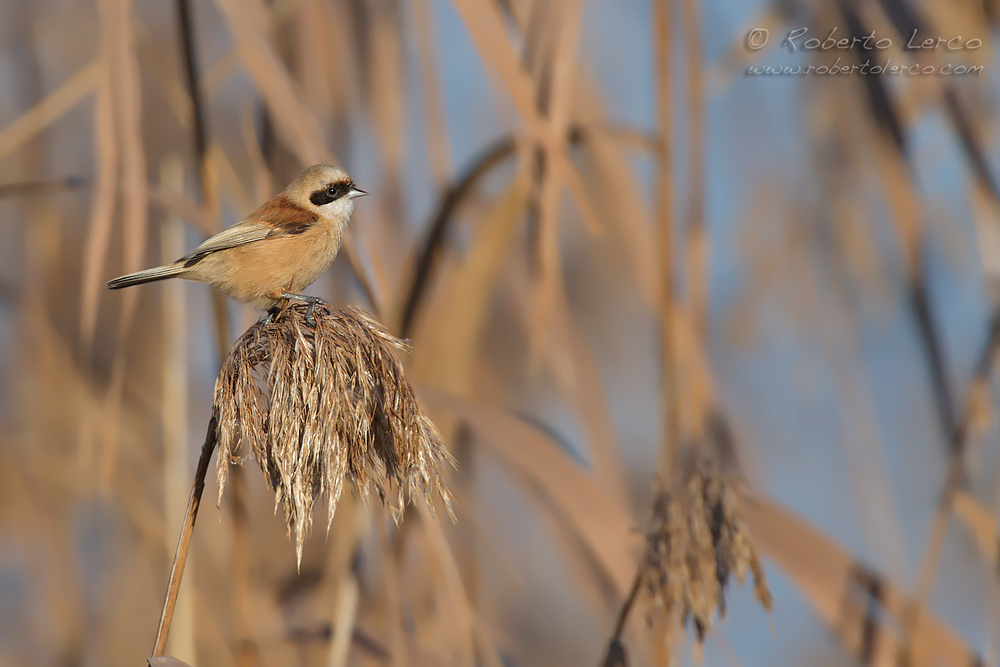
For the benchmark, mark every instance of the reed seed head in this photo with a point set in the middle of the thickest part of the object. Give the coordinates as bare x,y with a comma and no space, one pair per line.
322,404
697,540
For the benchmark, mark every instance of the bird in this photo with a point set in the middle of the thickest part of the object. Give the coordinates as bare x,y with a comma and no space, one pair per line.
277,251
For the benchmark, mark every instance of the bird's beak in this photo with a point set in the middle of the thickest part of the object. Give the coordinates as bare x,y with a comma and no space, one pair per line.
355,192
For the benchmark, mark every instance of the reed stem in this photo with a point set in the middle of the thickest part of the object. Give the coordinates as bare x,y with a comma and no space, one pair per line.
184,540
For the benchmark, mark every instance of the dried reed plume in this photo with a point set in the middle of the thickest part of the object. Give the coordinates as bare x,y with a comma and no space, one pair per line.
698,538
321,404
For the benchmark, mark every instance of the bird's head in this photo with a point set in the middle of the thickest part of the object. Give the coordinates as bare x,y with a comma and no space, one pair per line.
327,190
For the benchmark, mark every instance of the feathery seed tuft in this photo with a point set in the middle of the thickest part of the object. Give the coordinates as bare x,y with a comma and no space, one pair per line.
322,405
698,537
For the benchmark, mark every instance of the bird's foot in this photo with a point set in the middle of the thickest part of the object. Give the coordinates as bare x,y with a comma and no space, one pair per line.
311,300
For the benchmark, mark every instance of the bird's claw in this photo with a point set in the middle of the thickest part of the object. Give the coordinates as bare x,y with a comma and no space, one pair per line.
311,300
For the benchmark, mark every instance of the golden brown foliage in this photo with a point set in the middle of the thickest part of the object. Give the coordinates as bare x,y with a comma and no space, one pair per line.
320,405
697,539
843,233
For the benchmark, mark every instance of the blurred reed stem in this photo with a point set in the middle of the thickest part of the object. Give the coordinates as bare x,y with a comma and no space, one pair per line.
432,94
50,109
626,610
342,567
993,619
934,546
206,173
30,188
184,539
670,410
174,404
208,185
462,186
241,601
697,235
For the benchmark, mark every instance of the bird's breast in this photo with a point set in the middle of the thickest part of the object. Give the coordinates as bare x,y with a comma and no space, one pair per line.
309,254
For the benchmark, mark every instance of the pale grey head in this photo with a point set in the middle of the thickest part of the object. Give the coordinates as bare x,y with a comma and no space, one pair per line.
327,190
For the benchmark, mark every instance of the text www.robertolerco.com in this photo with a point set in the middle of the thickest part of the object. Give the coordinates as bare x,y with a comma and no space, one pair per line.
867,67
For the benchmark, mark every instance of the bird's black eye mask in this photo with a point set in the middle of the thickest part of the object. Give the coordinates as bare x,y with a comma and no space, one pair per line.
330,193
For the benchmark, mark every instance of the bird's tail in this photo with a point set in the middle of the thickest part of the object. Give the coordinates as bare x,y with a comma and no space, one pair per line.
147,276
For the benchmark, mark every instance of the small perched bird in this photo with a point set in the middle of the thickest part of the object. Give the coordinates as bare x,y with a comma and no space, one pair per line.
278,251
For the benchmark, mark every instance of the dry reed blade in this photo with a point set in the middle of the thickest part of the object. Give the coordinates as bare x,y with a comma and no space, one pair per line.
177,204
314,58
247,21
184,539
432,93
697,236
384,82
126,89
278,13
207,173
31,188
134,188
592,405
670,396
556,96
461,189
393,599
983,525
447,358
102,207
600,520
934,544
910,24
35,120
487,31
263,178
469,632
227,183
891,151
437,229
618,198
831,579
346,612
175,397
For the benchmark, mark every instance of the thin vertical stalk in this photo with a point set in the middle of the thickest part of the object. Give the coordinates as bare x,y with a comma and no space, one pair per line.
207,181
242,623
208,184
934,545
348,596
184,539
993,616
174,408
697,237
670,412
438,147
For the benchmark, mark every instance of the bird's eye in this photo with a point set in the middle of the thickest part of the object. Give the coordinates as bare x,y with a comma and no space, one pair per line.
332,192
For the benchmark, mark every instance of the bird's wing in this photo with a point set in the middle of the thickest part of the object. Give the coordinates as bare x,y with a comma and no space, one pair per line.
247,231
277,217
